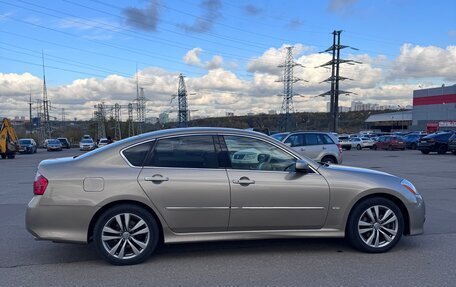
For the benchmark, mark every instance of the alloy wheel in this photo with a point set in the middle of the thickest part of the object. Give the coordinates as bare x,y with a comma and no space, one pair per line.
378,226
125,236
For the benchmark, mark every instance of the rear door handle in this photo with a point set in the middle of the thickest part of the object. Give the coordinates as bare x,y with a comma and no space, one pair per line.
156,177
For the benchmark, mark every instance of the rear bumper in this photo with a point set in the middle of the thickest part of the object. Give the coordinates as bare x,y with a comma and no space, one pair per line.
57,223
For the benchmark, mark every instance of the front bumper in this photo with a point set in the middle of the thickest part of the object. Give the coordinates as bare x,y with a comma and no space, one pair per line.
58,222
417,216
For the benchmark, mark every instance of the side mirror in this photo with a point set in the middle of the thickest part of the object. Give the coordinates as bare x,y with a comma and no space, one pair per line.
288,144
302,166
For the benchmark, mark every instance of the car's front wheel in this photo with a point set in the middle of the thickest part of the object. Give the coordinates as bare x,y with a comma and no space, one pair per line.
358,147
126,234
375,225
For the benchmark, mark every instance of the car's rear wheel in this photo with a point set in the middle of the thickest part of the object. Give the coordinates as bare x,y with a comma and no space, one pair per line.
425,152
374,147
358,147
328,159
414,146
126,234
375,225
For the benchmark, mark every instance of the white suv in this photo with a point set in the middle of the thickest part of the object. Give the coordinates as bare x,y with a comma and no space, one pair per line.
320,146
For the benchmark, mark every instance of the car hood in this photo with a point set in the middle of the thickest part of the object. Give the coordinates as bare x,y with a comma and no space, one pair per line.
355,170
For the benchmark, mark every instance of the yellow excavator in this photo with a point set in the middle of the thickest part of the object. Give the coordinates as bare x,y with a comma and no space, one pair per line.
9,144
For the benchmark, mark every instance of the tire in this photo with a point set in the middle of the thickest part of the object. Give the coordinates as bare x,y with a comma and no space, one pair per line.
390,147
328,159
374,147
358,147
453,152
10,155
134,253
348,148
3,156
413,146
425,152
442,149
369,233
403,148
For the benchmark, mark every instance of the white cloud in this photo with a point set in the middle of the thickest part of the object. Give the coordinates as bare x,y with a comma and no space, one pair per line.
425,62
192,58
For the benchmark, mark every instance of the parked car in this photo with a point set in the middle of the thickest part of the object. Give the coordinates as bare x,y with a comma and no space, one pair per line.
102,142
437,142
345,142
411,140
452,144
182,185
27,146
53,145
360,143
389,143
65,142
87,144
319,146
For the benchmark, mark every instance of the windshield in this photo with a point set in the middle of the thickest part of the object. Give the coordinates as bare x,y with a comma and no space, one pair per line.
279,137
25,142
86,141
53,142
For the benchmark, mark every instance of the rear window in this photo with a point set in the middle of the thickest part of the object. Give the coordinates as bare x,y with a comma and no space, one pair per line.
325,139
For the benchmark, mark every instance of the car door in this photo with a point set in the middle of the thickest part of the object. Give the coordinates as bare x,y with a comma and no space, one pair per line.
270,195
183,179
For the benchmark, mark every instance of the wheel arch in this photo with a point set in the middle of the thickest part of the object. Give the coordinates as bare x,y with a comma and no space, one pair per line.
388,196
119,202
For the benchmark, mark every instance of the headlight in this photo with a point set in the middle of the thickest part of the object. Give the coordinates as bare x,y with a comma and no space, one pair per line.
409,186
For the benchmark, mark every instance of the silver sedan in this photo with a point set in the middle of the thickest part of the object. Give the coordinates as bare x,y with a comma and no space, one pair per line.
205,184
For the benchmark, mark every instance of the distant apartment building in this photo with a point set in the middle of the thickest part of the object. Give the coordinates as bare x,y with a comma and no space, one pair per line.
358,106
229,114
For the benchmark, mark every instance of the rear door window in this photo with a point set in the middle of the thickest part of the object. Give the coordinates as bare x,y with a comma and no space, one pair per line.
312,139
185,152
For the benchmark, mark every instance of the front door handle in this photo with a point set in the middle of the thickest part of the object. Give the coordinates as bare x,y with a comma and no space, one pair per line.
156,177
244,181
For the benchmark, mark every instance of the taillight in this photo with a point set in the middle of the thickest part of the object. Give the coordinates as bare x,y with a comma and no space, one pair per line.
340,147
40,184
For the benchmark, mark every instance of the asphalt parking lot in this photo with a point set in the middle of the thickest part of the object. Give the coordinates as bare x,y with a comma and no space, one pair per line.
425,260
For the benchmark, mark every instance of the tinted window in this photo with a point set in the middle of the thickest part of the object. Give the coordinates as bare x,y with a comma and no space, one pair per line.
253,154
87,141
136,155
311,139
189,152
325,139
25,141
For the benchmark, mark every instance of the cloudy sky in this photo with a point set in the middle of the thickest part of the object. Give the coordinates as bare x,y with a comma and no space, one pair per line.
228,50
